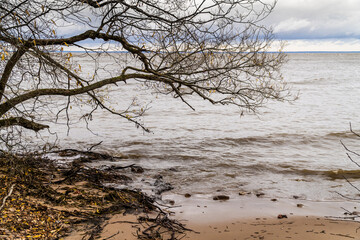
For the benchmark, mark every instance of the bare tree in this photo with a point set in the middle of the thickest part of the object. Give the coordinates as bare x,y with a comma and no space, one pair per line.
214,49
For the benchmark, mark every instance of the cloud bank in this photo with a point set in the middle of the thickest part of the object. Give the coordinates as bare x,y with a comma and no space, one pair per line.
320,19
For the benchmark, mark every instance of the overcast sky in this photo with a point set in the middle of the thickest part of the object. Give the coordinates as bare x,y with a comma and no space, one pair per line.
314,25
317,25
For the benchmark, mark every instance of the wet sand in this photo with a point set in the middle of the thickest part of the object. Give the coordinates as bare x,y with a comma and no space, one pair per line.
297,228
249,218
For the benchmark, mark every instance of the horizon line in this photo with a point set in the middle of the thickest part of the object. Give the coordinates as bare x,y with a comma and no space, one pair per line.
75,51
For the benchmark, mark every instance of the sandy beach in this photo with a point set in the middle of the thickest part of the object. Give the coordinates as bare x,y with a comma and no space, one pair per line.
271,228
248,218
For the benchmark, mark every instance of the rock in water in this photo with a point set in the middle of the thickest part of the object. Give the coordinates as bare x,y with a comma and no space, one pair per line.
161,186
221,198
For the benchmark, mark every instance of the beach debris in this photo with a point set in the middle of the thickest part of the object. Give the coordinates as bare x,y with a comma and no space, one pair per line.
221,198
356,213
187,195
281,216
35,208
161,227
299,205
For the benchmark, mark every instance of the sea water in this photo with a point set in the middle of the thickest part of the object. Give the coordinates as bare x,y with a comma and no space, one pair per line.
287,149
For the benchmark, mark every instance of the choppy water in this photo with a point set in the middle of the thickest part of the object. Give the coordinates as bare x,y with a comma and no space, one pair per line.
289,149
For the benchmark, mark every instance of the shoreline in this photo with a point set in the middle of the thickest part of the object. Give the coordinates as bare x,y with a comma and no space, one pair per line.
195,209
294,227
248,218
70,201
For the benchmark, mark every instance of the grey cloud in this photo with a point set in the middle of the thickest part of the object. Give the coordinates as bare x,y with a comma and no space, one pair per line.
299,19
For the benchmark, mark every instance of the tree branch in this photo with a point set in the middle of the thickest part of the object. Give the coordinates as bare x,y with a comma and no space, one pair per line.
20,121
71,92
8,69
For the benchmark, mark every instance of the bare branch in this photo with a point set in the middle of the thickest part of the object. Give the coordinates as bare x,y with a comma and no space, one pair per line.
214,50
23,123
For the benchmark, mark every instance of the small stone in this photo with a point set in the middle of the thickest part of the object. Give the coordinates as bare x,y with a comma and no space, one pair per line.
260,194
274,200
221,198
299,205
171,202
187,195
281,216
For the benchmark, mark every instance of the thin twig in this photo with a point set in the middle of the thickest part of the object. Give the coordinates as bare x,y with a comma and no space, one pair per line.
353,131
8,195
95,145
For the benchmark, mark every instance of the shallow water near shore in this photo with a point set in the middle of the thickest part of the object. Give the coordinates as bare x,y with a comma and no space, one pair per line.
288,149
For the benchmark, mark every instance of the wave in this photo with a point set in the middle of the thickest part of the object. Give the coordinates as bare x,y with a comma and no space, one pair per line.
342,135
310,81
287,169
280,139
333,174
273,139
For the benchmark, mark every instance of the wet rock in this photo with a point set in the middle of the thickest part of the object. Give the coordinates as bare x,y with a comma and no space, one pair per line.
187,195
244,193
169,201
221,198
281,216
161,186
158,177
260,194
137,169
